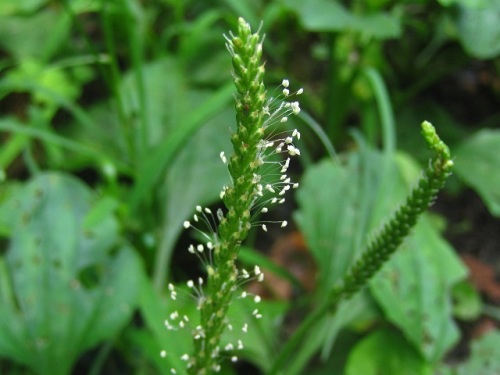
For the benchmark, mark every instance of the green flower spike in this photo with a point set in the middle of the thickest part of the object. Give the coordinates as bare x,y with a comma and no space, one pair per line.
246,197
384,245
404,219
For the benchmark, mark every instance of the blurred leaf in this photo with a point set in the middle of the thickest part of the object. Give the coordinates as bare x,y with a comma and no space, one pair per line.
339,205
195,177
31,72
167,98
467,3
413,289
386,352
260,341
478,164
170,128
322,336
479,29
483,360
64,288
155,309
10,7
326,15
38,36
467,301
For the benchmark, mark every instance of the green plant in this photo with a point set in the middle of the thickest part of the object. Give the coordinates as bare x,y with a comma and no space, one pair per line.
60,297
118,117
223,242
249,168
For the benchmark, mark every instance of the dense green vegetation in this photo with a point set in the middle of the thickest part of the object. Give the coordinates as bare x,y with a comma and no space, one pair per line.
113,114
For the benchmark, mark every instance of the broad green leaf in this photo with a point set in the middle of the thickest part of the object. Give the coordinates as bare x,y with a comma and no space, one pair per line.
260,341
10,7
322,336
466,3
38,36
195,177
479,29
33,73
65,286
155,308
339,205
413,289
325,15
467,301
477,162
166,98
484,358
386,352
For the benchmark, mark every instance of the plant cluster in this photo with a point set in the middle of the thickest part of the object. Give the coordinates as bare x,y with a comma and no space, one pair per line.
127,246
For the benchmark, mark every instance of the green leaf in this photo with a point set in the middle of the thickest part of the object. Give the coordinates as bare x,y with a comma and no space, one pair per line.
195,177
483,360
339,205
413,289
479,29
155,308
478,164
467,300
467,3
260,341
38,36
386,352
325,15
65,288
8,7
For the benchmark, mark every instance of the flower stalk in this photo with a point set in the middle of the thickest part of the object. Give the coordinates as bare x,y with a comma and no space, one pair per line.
404,219
246,196
383,246
246,52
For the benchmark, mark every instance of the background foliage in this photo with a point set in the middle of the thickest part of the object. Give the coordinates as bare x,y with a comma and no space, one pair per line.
112,117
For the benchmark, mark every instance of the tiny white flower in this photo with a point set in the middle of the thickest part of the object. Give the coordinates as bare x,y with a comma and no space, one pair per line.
285,83
284,223
163,354
187,224
223,157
